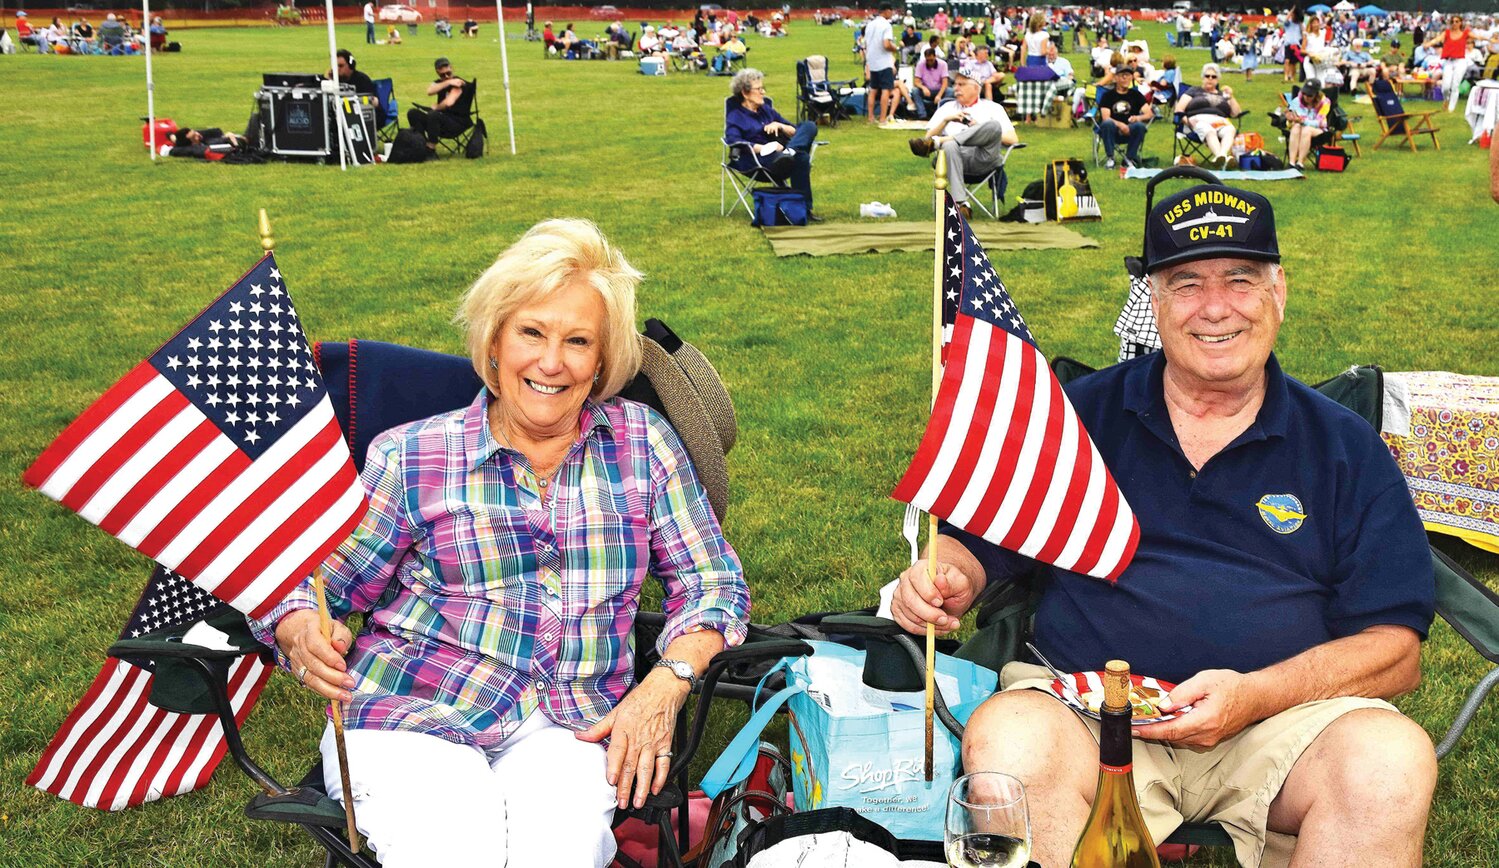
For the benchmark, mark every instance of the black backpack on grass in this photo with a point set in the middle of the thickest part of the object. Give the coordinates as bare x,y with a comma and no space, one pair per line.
409,147
475,147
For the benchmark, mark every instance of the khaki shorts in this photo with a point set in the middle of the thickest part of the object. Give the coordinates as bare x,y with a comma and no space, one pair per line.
1231,784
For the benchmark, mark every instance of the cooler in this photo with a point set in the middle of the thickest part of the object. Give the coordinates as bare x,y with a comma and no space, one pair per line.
160,134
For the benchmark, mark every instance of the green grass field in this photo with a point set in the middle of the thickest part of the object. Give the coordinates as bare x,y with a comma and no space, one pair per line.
107,254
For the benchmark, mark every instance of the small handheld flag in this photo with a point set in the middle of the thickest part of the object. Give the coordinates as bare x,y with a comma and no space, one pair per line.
1004,455
218,456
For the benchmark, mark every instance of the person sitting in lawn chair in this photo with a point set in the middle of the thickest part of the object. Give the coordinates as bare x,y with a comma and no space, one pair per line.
770,144
1282,579
501,561
972,132
1208,110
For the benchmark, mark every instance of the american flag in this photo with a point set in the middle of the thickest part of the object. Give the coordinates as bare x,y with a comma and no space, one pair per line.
117,750
218,456
1005,455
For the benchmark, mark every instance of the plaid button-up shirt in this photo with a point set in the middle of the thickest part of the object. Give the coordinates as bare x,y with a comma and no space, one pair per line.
487,602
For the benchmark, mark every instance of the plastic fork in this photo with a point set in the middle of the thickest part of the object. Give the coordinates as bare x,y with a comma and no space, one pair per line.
910,528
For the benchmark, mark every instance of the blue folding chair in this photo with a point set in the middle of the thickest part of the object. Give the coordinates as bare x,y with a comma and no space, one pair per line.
389,120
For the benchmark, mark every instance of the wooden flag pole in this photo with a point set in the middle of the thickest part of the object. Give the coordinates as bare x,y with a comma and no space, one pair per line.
940,184
325,624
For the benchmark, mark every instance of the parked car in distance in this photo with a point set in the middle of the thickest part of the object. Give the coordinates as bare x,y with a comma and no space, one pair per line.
399,14
605,12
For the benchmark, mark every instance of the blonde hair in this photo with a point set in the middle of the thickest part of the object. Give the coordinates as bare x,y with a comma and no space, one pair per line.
1036,22
552,255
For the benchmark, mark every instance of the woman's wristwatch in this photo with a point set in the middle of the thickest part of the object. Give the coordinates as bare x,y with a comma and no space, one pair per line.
680,668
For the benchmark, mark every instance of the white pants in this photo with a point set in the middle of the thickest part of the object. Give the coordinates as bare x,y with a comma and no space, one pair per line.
1452,76
541,800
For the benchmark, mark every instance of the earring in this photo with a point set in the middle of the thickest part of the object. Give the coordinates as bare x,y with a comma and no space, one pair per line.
493,365
596,376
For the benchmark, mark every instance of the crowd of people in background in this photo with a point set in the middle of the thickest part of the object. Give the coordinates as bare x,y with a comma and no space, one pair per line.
115,35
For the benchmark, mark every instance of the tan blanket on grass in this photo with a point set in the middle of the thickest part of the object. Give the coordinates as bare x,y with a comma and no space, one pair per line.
831,239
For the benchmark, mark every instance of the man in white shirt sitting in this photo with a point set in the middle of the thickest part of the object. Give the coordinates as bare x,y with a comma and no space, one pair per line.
972,132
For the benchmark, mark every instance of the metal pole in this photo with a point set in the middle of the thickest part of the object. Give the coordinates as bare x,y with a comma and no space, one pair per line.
499,9
150,82
338,108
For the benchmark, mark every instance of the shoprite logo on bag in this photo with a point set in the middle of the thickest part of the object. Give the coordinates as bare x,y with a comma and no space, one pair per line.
1211,215
865,778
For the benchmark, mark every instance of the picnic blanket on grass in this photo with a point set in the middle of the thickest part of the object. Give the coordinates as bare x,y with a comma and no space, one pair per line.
1232,175
832,239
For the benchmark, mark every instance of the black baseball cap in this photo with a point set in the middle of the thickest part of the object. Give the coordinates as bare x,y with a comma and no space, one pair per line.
440,62
1210,221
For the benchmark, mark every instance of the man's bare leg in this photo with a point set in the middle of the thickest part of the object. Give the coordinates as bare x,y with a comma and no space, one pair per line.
1360,794
1034,737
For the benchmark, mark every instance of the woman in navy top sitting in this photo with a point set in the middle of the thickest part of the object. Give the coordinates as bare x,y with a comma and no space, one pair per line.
775,147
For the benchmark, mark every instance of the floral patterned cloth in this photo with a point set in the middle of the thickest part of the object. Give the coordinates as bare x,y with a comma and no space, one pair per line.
1451,457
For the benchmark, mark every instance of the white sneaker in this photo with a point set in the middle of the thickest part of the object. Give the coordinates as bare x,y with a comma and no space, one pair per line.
1109,164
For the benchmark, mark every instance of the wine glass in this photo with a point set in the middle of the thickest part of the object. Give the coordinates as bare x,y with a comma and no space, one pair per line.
988,825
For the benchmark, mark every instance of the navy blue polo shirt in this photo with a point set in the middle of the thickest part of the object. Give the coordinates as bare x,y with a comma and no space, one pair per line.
1299,532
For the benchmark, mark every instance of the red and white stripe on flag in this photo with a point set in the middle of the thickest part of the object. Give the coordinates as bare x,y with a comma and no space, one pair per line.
218,456
116,750
1004,455
146,465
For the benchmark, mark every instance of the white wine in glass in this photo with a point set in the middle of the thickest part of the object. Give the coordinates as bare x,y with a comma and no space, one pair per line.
988,825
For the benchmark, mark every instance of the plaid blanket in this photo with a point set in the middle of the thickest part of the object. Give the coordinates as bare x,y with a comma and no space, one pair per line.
1030,97
1136,324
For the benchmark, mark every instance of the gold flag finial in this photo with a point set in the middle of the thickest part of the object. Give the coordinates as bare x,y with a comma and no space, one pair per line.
940,168
267,243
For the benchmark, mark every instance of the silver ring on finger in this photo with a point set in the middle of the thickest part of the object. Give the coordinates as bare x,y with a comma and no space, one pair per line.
664,755
302,675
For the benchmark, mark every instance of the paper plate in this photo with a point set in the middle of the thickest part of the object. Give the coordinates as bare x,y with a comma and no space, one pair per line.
1082,689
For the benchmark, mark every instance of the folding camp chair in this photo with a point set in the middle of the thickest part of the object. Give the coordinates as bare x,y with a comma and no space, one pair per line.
732,176
1394,120
390,385
389,109
995,180
817,97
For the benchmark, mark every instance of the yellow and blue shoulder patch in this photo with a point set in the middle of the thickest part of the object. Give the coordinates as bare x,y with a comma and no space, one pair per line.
1283,513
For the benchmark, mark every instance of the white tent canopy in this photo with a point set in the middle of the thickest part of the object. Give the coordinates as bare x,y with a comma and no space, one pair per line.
1344,6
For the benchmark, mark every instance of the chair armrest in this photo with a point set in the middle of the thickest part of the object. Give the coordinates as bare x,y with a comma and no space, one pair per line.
180,665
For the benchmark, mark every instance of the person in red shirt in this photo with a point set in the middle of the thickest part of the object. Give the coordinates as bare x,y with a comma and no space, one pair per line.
1454,41
26,33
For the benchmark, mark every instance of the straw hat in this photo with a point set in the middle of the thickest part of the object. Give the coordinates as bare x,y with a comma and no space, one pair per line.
693,397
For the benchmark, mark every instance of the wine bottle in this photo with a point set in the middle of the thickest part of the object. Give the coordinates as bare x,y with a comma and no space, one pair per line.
1116,836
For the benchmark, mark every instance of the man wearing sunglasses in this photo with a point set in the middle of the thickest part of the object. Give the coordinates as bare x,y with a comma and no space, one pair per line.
450,116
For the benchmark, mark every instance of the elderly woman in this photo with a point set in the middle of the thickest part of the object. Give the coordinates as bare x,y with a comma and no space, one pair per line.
1207,111
502,561
1306,120
775,147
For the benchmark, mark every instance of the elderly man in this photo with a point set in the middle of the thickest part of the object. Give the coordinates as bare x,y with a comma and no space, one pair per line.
972,132
1282,578
1066,78
982,70
1124,113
